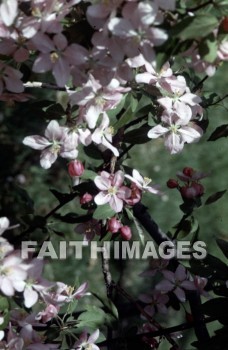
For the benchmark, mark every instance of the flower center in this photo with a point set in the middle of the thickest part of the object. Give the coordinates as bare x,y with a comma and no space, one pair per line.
112,190
174,128
54,57
147,180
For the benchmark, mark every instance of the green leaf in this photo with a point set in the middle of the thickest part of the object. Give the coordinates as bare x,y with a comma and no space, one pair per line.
4,304
137,226
88,175
127,116
138,136
196,26
208,48
103,212
55,111
223,245
94,318
214,197
108,306
220,131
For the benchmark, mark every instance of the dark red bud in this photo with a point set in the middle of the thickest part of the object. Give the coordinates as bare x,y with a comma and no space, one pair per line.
75,168
125,232
188,171
172,183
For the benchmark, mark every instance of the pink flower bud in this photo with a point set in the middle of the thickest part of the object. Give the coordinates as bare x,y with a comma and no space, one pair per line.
114,225
86,198
188,171
136,195
171,183
75,168
125,232
195,190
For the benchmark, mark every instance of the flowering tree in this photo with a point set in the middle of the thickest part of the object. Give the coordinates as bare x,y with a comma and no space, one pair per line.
99,78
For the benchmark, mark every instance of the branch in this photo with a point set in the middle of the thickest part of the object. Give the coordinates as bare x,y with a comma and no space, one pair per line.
193,9
40,85
193,297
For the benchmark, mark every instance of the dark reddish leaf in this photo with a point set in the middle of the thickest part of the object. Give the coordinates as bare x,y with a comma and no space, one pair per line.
214,197
221,131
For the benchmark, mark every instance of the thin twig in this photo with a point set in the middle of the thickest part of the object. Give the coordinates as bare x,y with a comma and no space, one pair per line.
193,9
40,85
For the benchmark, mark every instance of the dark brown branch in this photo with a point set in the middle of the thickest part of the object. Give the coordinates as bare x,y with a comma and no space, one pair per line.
196,8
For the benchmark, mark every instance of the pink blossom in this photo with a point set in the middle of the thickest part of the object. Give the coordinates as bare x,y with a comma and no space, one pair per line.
152,77
176,282
62,293
15,46
125,232
176,131
85,342
142,182
189,174
200,283
10,98
103,135
156,302
34,284
180,99
96,99
55,55
89,229
99,13
48,314
86,198
114,225
14,342
155,266
112,191
136,195
57,141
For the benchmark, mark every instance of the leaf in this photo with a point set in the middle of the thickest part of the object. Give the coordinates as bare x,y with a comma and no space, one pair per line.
88,175
196,26
208,48
4,304
127,116
103,212
220,131
94,318
223,245
210,267
108,306
137,136
137,226
215,197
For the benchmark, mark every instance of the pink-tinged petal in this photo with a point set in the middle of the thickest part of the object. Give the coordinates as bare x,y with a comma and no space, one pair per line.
102,198
85,136
94,336
116,203
30,297
21,55
158,36
8,11
7,46
110,146
154,189
147,12
97,136
157,131
180,294
174,143
61,72
103,183
190,99
53,131
180,273
169,275
76,54
81,290
146,78
13,85
69,154
121,27
7,287
164,286
134,180
124,193
183,111
191,134
137,176
60,41
42,64
166,102
4,224
98,11
47,158
36,142
43,43
94,347
92,115
189,285
118,178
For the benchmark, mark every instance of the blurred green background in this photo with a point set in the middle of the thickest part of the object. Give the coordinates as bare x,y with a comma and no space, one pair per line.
20,170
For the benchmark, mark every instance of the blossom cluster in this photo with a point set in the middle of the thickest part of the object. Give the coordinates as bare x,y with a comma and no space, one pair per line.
24,278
